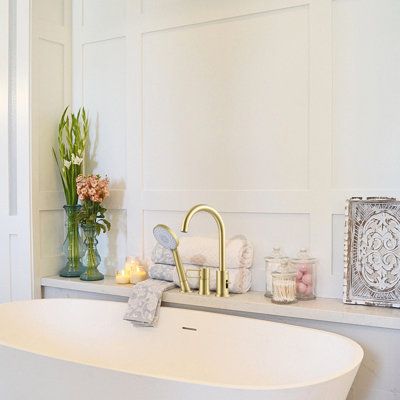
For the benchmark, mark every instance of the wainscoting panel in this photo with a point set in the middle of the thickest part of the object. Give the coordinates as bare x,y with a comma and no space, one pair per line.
366,94
103,14
51,58
49,11
51,93
248,75
104,91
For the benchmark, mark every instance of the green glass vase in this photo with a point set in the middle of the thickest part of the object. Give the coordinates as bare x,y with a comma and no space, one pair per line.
91,259
73,247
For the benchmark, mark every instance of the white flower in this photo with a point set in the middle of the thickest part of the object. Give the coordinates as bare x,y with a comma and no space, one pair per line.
67,163
76,160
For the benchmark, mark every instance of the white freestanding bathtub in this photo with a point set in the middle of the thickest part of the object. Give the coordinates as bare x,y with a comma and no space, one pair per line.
70,349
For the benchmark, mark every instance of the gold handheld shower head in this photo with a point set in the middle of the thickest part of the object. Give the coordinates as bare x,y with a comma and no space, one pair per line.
167,238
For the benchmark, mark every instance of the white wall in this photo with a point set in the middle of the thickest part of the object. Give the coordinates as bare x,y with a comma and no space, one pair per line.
15,224
274,112
51,93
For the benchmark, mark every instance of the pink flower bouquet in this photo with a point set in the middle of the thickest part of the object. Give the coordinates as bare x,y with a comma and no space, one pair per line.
92,190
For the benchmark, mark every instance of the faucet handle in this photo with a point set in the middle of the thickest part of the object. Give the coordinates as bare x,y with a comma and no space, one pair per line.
204,279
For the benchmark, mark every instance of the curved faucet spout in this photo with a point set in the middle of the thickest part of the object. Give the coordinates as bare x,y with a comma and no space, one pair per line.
221,228
222,275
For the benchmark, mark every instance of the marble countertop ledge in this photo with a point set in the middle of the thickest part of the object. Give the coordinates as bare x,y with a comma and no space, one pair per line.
321,309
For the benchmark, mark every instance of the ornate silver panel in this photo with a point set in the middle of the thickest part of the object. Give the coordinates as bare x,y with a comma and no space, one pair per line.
372,252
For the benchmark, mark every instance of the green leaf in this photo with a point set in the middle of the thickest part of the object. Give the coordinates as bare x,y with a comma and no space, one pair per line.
107,224
73,131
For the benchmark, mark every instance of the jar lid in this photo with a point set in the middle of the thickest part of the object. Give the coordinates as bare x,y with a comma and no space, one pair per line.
303,256
277,255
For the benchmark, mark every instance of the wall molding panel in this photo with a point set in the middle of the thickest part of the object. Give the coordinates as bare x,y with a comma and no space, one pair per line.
51,39
99,84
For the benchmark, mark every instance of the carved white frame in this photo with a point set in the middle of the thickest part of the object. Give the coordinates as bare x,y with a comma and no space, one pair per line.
356,289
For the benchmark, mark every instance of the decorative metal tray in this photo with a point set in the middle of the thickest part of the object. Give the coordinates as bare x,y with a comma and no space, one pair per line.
372,252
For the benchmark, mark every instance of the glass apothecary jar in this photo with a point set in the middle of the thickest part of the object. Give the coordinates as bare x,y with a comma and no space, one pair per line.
273,263
305,266
284,284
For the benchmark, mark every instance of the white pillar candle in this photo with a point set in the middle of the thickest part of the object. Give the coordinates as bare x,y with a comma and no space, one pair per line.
130,265
121,277
138,274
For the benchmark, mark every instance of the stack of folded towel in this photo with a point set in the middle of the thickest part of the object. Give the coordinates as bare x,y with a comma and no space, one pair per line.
198,252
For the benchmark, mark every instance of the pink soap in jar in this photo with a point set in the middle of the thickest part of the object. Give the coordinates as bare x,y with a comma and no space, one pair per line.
305,275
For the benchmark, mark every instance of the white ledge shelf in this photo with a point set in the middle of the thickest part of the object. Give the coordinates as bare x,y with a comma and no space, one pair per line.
321,309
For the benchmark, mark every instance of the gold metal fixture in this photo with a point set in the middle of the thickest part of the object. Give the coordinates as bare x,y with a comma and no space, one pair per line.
222,273
167,238
204,279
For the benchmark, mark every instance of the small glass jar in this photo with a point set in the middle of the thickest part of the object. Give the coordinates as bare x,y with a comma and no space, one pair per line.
305,267
284,285
273,263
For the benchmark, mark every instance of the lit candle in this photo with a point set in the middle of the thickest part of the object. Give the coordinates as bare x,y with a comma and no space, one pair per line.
121,277
138,274
130,264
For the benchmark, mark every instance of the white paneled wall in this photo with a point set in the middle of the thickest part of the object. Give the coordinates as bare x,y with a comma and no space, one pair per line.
274,112
15,241
366,96
100,84
51,93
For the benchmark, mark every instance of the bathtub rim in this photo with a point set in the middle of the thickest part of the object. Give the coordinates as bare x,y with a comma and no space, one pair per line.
356,362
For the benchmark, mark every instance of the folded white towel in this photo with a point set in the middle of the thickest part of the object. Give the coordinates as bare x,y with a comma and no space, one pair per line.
239,278
204,252
144,303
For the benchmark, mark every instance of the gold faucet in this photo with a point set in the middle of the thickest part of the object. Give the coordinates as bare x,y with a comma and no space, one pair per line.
222,273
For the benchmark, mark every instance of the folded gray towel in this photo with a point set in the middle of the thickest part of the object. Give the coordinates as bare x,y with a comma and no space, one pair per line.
144,303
